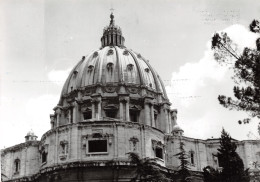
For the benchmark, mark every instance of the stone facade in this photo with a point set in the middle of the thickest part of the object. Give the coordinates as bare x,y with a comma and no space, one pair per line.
112,103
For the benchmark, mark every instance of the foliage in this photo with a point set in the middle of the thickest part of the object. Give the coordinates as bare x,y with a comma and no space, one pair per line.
211,175
230,162
246,68
146,169
183,168
233,167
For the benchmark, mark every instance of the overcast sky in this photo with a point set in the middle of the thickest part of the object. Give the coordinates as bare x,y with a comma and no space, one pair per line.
41,40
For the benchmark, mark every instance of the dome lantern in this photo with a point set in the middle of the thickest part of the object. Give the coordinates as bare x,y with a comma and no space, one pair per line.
30,136
112,35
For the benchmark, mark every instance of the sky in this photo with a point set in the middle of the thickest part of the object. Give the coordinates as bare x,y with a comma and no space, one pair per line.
41,40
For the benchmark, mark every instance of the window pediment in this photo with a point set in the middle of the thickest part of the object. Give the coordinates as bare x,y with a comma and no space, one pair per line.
98,135
135,107
111,107
156,143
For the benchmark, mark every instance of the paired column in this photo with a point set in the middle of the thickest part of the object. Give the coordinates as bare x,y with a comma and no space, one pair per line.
52,118
124,108
75,112
165,117
96,107
173,114
149,112
58,114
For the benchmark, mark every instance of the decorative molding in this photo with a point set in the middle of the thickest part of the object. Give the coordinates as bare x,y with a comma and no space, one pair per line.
20,147
126,53
110,89
110,66
124,99
156,143
139,55
71,96
110,107
133,143
95,54
85,109
64,142
133,90
134,139
110,52
87,92
147,70
63,129
135,107
95,100
63,157
151,102
90,68
97,135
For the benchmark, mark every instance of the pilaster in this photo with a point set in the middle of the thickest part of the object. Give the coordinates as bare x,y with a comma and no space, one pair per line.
124,103
96,106
148,106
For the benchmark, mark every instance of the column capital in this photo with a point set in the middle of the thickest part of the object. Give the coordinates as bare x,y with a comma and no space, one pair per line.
149,100
52,118
95,98
124,99
173,113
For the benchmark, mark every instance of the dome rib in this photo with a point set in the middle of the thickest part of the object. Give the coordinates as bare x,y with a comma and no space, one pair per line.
120,69
114,65
141,76
83,73
163,88
154,74
65,89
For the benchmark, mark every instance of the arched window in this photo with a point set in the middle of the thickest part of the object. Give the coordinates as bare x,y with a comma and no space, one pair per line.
159,152
44,154
17,166
155,116
192,157
44,157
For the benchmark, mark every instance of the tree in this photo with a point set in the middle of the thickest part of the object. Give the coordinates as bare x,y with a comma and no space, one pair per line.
146,169
246,68
183,168
233,167
211,175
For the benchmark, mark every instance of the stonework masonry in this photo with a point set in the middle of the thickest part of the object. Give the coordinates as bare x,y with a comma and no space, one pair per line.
112,103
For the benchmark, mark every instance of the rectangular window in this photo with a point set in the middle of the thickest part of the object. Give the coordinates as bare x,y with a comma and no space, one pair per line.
159,152
111,113
17,165
44,157
87,115
134,116
192,158
220,161
97,146
155,119
71,115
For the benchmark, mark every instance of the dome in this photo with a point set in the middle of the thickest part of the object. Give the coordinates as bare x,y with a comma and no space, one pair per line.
176,128
114,83
30,133
113,65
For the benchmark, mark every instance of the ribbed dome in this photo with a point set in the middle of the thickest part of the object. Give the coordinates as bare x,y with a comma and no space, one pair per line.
112,65
177,128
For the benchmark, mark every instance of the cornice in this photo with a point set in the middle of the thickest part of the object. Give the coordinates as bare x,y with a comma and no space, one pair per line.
20,146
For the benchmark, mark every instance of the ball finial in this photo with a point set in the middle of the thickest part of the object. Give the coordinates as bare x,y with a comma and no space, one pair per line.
112,16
